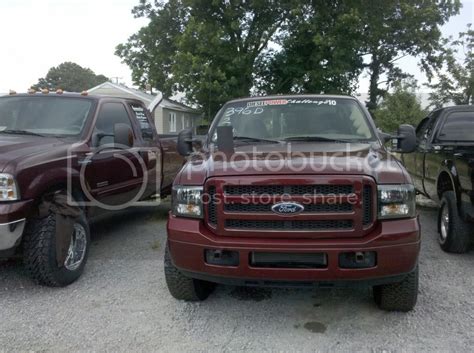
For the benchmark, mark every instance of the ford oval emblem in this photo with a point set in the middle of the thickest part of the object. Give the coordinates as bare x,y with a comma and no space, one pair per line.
288,208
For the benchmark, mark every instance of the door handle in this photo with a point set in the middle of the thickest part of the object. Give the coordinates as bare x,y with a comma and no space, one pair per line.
87,160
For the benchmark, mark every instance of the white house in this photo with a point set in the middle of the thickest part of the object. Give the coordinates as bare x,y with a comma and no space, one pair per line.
170,116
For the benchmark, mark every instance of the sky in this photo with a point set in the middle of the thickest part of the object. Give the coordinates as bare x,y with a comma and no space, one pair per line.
38,34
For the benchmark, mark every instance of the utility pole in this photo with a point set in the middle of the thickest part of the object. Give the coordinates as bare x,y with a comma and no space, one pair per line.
116,79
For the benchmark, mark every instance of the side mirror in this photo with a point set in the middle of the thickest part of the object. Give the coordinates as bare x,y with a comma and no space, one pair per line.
123,135
384,136
406,139
185,142
225,139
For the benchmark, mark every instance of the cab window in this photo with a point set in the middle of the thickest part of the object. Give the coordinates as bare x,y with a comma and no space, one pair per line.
109,115
459,126
426,127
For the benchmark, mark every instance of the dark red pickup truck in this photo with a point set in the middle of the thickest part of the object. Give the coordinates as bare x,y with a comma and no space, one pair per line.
66,158
294,191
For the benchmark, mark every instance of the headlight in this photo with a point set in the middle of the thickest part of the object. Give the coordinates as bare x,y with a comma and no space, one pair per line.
187,201
8,189
397,201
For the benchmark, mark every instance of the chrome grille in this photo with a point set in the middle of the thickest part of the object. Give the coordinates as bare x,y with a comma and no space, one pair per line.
236,208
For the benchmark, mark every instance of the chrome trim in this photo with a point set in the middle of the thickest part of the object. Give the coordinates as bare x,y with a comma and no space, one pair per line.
10,233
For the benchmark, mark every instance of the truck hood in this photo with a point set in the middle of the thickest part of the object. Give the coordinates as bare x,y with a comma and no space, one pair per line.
14,147
297,158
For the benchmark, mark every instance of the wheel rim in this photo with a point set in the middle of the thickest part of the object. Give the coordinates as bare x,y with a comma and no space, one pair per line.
77,249
444,224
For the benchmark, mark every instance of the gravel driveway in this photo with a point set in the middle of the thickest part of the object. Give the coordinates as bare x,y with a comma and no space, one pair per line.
121,304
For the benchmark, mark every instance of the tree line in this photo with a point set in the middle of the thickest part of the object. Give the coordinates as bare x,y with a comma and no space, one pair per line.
217,50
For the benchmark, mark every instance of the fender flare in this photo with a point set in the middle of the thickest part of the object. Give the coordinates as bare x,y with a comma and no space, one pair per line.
448,167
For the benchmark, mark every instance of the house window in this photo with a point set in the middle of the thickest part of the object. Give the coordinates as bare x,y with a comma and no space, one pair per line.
172,122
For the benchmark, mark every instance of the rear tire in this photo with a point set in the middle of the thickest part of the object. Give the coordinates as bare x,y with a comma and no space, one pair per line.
39,252
182,287
454,233
400,296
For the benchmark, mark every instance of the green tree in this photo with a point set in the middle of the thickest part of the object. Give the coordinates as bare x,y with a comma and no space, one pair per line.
150,53
320,51
332,42
215,50
401,106
207,49
455,81
70,77
398,28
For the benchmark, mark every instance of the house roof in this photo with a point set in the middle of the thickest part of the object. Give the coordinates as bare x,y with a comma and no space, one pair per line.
145,97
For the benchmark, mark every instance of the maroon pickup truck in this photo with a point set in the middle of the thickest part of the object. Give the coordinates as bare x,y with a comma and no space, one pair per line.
294,191
65,159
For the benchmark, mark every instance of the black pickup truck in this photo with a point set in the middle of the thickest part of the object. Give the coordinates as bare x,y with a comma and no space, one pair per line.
442,168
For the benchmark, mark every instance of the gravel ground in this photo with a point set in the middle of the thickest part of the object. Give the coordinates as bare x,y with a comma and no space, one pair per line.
121,304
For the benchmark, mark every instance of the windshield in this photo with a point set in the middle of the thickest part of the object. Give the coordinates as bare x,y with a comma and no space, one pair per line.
293,119
44,115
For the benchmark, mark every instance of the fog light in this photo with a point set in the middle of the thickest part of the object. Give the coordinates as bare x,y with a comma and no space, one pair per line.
360,259
222,257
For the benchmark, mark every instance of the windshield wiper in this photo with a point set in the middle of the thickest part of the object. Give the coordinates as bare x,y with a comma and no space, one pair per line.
254,139
320,139
20,132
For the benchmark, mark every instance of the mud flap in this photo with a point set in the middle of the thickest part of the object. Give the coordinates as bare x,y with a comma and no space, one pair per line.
66,216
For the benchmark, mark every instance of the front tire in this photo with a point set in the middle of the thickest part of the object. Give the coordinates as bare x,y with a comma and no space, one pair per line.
400,296
182,287
39,251
454,233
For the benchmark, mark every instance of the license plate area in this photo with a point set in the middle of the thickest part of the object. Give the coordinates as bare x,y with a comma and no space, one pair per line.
288,260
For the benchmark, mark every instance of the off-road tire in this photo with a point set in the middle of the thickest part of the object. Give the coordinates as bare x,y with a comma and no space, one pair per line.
39,252
459,234
182,287
400,296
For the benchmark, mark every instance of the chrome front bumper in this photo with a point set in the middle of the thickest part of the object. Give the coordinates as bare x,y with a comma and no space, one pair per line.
10,234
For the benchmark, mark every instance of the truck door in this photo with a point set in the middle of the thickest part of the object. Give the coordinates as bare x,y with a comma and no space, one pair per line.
430,157
113,173
414,161
456,139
